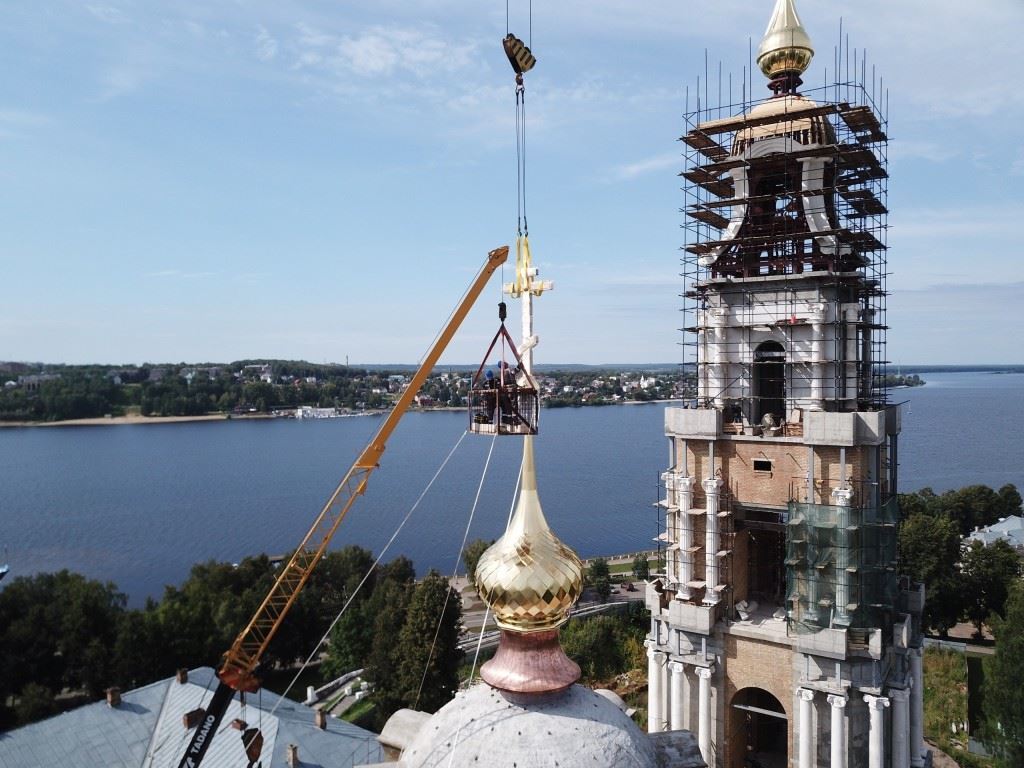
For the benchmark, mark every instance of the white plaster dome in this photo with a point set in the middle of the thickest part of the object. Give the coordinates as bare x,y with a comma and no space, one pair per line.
792,122
486,727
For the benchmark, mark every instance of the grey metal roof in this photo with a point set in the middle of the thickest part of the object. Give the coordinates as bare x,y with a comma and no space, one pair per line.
1011,529
146,731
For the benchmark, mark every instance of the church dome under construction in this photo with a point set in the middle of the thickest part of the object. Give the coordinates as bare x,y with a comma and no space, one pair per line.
574,727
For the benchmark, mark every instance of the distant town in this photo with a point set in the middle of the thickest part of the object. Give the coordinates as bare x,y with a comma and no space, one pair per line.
31,392
284,388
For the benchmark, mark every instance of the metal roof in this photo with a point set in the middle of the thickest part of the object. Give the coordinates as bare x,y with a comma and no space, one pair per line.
146,731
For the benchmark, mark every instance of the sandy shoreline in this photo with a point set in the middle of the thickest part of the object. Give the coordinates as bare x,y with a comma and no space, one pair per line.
113,421
132,419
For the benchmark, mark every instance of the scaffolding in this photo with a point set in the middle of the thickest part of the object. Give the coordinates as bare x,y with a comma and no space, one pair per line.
784,252
841,569
683,545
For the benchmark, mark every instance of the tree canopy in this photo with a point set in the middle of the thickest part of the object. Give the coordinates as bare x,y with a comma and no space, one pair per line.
929,549
599,576
471,555
988,573
1004,685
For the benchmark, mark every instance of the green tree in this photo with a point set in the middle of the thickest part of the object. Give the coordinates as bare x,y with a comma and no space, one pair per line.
1004,685
472,553
641,567
352,638
34,703
600,578
383,662
55,631
988,574
1011,500
596,644
428,645
929,549
972,506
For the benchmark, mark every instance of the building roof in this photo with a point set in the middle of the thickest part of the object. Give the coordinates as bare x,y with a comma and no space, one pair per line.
485,726
1010,529
146,731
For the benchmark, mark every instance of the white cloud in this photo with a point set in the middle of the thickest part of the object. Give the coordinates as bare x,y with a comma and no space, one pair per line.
650,165
266,45
107,14
382,51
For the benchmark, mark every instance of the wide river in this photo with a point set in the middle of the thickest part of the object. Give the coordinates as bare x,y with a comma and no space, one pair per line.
138,505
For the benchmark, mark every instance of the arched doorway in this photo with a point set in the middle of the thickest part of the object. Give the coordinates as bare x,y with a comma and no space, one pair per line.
758,730
770,381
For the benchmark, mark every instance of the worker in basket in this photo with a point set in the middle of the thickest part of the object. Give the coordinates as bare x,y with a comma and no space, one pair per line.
490,398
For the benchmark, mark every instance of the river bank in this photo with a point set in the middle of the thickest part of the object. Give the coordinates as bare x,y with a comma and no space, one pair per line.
129,419
135,419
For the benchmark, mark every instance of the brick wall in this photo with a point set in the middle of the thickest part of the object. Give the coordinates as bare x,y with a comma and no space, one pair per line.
760,664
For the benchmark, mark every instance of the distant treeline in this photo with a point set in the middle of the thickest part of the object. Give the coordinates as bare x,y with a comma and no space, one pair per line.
61,633
902,380
75,392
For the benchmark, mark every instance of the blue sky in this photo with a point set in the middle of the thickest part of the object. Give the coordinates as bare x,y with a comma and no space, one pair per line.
216,180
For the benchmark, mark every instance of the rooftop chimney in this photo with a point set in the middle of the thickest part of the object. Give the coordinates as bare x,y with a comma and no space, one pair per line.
292,756
191,719
320,718
114,696
182,676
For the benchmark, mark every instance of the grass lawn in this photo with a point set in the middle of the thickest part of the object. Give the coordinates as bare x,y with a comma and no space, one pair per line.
945,705
358,710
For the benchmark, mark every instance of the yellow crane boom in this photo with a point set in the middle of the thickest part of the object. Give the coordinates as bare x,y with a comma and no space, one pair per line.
238,670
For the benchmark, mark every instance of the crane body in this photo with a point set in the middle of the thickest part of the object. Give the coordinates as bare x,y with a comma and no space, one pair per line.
238,672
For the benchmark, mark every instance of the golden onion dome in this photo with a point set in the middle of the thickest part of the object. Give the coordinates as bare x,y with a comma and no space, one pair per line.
528,577
786,46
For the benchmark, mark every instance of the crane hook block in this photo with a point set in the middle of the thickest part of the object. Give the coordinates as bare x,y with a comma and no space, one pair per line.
519,56
502,311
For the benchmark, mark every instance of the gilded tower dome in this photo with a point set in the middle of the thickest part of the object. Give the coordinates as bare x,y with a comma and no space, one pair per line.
528,577
786,47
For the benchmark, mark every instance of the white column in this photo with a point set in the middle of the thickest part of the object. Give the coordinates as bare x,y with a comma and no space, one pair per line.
900,727
917,748
876,730
817,367
837,735
656,690
671,527
704,714
806,730
711,487
841,498
720,383
677,694
684,494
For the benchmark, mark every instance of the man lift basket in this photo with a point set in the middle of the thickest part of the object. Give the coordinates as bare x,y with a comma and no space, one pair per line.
503,401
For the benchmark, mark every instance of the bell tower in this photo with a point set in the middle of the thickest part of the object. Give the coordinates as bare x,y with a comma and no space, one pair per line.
781,631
